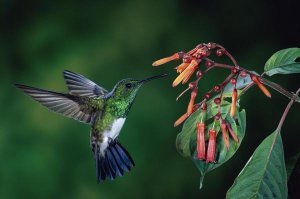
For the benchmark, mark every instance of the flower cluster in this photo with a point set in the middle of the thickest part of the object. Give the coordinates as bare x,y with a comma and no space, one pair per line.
191,64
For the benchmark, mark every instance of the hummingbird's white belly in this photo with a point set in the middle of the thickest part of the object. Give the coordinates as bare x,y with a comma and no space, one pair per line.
112,133
115,128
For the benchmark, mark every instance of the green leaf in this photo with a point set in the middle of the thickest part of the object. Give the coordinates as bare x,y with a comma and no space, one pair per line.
290,164
186,139
264,175
283,62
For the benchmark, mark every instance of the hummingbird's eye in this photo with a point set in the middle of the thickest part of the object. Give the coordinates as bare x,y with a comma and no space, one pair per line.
128,85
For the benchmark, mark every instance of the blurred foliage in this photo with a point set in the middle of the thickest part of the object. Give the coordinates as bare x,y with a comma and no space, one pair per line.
43,155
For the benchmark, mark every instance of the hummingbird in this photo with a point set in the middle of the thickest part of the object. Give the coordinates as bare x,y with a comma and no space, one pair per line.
105,112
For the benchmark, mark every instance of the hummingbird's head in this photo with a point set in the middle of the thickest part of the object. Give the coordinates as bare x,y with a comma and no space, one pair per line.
127,89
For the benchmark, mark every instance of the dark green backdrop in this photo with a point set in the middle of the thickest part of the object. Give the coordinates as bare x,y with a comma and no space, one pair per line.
43,155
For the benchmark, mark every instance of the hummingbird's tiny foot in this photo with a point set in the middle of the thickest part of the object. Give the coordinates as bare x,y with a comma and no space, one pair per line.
116,139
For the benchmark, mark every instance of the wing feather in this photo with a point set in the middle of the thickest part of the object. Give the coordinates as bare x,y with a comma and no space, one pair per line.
80,86
70,106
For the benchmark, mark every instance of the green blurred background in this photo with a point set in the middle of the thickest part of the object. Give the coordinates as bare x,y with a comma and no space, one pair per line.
43,155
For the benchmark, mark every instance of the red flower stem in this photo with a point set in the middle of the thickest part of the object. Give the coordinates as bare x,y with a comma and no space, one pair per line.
286,111
213,66
198,79
228,55
231,58
269,83
188,88
219,65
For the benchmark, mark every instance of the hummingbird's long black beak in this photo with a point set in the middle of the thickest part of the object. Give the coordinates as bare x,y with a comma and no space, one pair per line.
152,78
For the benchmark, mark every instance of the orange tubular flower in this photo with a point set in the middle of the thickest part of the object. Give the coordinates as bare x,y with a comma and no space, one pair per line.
224,133
193,67
182,67
233,103
234,137
260,85
200,141
186,74
211,146
192,101
180,77
166,59
181,119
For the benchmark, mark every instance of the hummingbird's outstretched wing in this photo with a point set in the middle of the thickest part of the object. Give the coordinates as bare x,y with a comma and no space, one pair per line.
81,86
82,109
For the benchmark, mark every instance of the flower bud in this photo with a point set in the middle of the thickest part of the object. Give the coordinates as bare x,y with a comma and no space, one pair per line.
233,81
234,70
260,85
209,63
243,74
192,101
192,85
220,52
181,119
217,101
207,96
199,74
217,88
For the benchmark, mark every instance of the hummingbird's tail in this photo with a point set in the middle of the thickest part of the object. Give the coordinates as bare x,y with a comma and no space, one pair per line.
113,162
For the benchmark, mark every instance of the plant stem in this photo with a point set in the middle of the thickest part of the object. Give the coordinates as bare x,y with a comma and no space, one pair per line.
286,111
219,65
280,89
228,55
269,83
